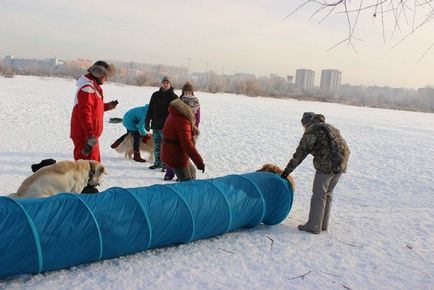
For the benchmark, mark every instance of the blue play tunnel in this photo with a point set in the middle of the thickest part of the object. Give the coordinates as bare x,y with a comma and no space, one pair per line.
39,235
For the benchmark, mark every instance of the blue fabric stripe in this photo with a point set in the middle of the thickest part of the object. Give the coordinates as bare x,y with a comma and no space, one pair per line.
34,232
94,220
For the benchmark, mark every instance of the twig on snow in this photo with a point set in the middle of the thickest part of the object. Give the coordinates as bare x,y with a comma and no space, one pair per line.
272,242
350,244
334,275
346,287
410,247
226,251
301,276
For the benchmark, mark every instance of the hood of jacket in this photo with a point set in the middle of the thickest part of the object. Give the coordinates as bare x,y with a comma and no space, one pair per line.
317,118
88,79
83,80
178,107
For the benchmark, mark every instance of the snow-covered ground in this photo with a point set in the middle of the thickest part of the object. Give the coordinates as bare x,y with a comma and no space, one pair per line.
381,232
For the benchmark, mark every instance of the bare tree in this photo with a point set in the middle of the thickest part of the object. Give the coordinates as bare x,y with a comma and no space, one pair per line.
403,16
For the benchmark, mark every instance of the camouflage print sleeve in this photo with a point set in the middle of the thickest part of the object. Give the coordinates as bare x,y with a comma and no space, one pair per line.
304,148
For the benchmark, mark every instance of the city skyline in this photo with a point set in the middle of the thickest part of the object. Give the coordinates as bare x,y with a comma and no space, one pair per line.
308,82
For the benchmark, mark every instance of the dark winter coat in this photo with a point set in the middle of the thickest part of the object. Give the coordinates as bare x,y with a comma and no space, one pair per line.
178,145
325,143
158,108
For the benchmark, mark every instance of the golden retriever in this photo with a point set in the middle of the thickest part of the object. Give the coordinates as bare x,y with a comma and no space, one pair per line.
63,176
268,167
147,145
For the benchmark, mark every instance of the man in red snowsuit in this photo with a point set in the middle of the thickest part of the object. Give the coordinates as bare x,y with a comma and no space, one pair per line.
88,112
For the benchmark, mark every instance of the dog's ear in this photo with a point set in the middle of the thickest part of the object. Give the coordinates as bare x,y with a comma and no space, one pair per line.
100,170
92,170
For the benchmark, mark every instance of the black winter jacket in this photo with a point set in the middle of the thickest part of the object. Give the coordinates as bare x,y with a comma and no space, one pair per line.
158,109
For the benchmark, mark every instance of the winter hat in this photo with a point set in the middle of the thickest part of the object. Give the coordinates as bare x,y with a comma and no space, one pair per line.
101,69
166,79
307,117
191,101
187,87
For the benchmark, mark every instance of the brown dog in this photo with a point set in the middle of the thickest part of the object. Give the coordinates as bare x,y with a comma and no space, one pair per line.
268,167
63,176
147,145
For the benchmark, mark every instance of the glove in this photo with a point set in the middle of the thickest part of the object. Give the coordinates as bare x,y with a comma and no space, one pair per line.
201,168
91,141
112,104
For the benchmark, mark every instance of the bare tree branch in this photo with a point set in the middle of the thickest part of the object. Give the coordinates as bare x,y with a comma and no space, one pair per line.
423,55
382,22
396,16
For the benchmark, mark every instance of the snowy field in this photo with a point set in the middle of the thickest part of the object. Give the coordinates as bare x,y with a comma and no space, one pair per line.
381,233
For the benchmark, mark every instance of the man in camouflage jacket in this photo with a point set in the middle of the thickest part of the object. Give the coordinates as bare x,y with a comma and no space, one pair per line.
330,153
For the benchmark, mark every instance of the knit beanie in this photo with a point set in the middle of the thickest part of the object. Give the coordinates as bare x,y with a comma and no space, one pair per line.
188,87
166,79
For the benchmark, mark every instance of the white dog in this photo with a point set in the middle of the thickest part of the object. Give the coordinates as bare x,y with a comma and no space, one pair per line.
63,176
146,145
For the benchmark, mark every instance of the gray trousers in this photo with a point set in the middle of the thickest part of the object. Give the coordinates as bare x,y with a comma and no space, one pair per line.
186,173
321,200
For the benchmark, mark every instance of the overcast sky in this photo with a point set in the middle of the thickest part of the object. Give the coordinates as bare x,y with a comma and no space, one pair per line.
248,36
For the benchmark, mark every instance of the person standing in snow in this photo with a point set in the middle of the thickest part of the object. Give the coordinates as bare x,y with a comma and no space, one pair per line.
331,153
156,116
88,112
134,122
179,145
188,97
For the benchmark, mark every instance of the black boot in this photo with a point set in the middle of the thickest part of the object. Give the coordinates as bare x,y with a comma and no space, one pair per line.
89,189
116,144
137,157
43,163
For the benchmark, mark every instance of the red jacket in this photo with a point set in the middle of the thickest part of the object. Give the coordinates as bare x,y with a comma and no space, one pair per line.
88,112
178,145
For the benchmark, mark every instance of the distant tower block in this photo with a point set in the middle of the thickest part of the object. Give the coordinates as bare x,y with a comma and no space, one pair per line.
305,79
330,82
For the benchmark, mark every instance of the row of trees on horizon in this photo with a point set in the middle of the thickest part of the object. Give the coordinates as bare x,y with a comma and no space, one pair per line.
250,85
